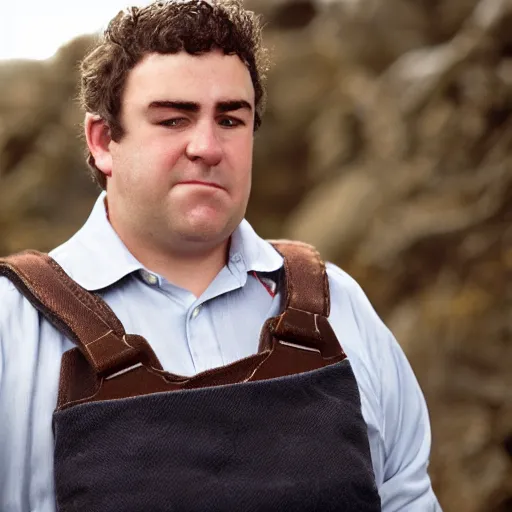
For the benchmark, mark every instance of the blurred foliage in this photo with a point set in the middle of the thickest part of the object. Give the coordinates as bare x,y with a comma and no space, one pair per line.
387,144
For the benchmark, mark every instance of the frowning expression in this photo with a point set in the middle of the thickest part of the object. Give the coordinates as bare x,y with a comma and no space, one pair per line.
182,170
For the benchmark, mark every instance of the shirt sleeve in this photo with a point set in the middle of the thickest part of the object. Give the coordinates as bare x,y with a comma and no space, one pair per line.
401,412
407,437
2,358
18,353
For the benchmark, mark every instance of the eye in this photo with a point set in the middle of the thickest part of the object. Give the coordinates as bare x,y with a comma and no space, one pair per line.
230,122
175,122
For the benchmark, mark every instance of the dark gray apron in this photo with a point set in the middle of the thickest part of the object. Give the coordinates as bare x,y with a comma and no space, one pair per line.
279,431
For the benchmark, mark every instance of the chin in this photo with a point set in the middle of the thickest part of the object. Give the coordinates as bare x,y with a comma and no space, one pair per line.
212,228
204,231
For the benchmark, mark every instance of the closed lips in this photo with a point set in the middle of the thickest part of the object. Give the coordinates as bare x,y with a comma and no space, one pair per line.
204,183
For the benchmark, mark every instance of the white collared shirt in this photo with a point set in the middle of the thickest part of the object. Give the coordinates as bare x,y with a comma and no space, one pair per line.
191,335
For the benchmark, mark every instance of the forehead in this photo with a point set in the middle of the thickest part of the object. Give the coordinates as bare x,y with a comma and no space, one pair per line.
205,79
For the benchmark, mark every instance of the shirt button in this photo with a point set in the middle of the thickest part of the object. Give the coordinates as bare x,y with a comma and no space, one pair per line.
196,311
149,278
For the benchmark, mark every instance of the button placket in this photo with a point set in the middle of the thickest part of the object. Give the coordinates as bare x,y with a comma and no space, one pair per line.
202,342
149,278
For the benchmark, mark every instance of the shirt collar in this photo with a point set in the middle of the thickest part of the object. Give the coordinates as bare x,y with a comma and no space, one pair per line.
95,257
256,254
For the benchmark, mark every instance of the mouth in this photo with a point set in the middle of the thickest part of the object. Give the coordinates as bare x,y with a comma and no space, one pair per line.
201,183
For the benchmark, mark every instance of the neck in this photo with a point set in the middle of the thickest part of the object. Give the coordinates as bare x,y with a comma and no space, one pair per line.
192,271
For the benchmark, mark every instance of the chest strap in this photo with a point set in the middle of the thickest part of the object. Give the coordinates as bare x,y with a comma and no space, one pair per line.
306,299
82,316
108,363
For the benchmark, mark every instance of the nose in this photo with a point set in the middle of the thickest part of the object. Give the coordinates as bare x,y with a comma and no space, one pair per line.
204,145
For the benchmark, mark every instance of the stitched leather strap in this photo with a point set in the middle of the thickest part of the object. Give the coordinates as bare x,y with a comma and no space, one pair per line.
307,286
87,320
106,363
307,300
82,316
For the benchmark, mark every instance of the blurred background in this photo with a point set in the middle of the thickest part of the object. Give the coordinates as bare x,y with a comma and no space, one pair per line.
387,144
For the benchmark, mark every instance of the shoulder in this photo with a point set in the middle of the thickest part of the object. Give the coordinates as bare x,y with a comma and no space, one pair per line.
10,298
16,311
367,341
348,297
19,325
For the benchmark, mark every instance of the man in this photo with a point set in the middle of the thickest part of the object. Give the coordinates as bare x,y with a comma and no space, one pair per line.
173,94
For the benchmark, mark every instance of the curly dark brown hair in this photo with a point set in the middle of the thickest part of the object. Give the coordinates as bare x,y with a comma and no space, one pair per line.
194,26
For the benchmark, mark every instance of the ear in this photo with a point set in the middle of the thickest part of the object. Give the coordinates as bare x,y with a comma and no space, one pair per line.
97,134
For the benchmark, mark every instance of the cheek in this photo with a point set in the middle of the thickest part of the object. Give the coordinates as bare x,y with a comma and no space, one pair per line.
158,153
154,159
241,155
166,149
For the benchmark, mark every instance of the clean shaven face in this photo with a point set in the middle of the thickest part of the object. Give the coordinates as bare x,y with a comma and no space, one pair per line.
181,174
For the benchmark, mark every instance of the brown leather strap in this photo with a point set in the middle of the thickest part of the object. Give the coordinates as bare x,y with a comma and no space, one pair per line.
87,320
84,317
294,342
307,287
306,302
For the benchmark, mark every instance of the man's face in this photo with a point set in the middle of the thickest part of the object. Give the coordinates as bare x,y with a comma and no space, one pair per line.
181,174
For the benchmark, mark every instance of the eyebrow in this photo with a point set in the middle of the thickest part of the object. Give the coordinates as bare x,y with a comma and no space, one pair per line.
191,106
